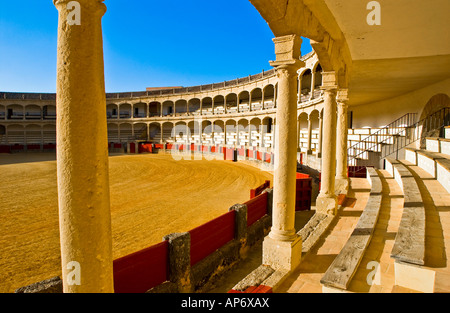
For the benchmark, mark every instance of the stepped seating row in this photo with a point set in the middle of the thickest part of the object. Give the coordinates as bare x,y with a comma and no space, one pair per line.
408,251
409,244
435,159
341,271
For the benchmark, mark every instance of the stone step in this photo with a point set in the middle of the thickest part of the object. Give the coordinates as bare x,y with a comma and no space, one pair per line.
437,164
435,273
340,273
439,145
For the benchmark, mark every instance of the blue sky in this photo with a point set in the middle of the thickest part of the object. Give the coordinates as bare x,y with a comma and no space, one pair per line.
147,43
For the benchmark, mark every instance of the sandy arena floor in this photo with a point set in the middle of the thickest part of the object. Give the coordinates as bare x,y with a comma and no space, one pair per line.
151,196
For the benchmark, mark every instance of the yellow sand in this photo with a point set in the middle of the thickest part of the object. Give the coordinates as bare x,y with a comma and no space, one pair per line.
151,196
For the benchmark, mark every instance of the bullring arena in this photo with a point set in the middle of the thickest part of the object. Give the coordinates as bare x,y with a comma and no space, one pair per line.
151,197
346,152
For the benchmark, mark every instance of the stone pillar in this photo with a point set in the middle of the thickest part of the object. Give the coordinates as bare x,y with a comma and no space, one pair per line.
342,137
82,156
309,147
161,140
313,83
282,247
327,200
275,96
263,106
299,82
319,146
298,135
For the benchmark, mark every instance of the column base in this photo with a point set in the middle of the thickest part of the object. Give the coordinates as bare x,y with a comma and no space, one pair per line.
327,204
342,185
282,255
309,152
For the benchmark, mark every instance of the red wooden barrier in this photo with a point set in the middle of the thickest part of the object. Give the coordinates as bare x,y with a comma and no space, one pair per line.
259,156
159,146
250,153
256,208
268,157
17,147
5,149
132,148
117,146
258,190
143,270
357,171
209,237
205,149
33,147
303,192
49,146
169,146
229,154
145,148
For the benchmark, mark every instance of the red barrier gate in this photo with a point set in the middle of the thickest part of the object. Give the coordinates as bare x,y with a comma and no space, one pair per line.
303,192
143,270
209,237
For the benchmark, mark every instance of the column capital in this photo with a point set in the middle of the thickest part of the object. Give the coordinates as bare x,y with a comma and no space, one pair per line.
329,81
287,52
95,6
342,97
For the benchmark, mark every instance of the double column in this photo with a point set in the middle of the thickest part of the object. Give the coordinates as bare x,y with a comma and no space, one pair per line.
342,180
282,247
327,200
82,156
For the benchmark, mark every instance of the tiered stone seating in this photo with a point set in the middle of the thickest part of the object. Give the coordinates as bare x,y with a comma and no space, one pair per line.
435,159
340,273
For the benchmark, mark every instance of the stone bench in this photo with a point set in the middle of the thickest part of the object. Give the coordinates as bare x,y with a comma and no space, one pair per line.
409,244
438,145
435,163
409,247
341,271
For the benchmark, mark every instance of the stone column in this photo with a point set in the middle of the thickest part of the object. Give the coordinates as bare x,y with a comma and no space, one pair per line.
263,106
327,200
82,157
299,91
309,147
313,83
275,95
319,146
342,137
282,247
298,135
